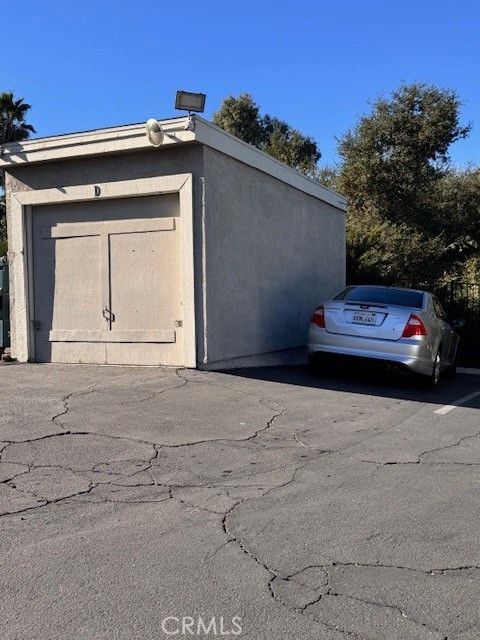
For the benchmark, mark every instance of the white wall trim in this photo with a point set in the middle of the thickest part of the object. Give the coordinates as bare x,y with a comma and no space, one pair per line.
132,138
103,191
90,143
20,258
188,293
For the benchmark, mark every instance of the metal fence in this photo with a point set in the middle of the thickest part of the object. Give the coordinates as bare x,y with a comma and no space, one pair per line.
462,302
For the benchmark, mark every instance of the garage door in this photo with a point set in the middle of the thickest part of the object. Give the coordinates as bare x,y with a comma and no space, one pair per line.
107,282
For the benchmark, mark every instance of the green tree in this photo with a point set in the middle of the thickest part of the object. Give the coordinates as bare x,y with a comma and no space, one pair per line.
289,145
401,190
457,213
241,117
327,176
382,252
394,156
13,128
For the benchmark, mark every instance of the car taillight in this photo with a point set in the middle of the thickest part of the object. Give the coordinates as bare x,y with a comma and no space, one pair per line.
414,327
318,317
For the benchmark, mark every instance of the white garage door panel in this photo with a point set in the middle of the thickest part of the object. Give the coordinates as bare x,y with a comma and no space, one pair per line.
144,281
107,281
76,295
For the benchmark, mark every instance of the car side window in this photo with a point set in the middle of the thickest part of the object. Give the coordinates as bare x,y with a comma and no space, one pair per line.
439,311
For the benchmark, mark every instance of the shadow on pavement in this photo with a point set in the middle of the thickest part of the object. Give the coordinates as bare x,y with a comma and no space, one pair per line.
363,379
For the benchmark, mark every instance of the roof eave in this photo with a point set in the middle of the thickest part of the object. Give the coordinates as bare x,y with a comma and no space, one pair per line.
132,137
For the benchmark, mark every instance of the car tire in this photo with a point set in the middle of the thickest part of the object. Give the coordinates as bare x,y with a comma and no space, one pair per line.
451,372
434,378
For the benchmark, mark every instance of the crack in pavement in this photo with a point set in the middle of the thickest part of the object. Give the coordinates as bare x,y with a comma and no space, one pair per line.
379,565
344,452
183,383
171,491
274,574
325,590
43,502
449,446
395,608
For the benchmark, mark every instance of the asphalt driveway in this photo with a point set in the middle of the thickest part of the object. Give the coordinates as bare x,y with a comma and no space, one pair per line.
300,506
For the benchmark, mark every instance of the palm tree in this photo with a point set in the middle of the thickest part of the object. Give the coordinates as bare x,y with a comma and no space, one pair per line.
13,126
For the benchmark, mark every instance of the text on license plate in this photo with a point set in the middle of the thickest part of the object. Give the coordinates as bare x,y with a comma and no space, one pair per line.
364,318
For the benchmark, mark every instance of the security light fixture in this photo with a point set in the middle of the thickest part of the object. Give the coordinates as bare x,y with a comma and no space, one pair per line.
153,130
187,101
190,123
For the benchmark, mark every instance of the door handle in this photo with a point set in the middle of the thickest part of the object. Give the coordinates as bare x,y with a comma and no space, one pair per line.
108,315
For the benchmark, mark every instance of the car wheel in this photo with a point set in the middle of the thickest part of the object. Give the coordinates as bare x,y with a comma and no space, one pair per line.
434,378
451,372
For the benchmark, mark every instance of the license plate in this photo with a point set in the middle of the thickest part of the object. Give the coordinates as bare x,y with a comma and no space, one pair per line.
364,318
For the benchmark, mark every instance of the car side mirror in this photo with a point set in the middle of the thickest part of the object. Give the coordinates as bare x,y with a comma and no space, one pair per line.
458,323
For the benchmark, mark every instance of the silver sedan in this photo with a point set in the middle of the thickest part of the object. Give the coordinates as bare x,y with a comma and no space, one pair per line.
406,328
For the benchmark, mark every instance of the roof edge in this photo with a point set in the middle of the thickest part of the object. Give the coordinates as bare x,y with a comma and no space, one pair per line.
126,138
213,136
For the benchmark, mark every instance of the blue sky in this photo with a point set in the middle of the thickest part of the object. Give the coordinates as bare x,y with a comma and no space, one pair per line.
84,64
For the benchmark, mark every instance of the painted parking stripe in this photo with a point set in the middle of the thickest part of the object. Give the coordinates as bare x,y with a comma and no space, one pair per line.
450,407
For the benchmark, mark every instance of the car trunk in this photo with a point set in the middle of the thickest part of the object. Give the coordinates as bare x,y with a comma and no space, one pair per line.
366,320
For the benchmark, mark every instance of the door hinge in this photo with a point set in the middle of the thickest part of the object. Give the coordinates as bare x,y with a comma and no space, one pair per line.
37,325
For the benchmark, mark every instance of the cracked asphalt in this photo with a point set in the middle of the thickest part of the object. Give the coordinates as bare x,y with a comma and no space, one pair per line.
312,507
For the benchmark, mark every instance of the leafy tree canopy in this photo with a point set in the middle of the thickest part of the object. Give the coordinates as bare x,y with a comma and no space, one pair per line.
382,252
412,218
241,117
289,145
394,156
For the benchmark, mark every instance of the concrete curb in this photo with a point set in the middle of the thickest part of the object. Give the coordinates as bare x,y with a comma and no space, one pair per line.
469,370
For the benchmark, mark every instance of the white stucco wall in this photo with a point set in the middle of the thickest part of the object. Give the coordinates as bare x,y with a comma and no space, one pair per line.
272,252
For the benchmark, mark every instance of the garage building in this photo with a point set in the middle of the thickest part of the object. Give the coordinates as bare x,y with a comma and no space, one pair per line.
203,252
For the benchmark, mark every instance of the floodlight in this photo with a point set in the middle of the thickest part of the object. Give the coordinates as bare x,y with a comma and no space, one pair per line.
187,101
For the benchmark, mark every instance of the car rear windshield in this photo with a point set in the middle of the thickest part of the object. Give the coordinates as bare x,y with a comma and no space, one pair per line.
383,295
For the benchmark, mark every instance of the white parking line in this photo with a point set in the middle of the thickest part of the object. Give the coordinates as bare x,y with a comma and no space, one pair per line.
450,407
